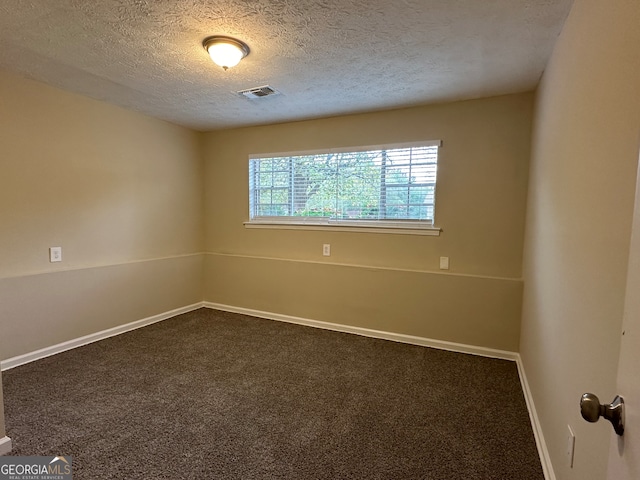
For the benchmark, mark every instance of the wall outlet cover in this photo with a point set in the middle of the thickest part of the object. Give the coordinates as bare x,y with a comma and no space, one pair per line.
571,444
55,254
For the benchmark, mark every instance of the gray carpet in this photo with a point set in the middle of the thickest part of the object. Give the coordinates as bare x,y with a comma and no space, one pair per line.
213,395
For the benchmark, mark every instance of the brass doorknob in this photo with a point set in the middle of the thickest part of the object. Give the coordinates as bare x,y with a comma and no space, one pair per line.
591,410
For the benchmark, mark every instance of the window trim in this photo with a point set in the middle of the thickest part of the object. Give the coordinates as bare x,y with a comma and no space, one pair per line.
403,227
361,148
346,226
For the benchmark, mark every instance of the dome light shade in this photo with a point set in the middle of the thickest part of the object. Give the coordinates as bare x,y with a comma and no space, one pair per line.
225,51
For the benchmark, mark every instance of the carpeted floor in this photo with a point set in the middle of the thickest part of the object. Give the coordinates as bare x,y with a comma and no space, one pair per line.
213,395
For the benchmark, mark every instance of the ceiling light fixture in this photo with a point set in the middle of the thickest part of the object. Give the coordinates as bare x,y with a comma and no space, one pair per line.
225,51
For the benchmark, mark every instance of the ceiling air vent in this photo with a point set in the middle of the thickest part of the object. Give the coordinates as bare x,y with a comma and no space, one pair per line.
258,92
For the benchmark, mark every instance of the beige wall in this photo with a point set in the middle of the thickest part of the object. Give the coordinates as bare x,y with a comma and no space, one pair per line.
481,194
121,193
582,180
42,310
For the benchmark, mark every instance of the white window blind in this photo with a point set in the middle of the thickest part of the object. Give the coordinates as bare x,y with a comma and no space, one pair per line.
374,186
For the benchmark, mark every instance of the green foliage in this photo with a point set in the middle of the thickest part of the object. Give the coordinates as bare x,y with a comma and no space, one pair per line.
356,185
318,212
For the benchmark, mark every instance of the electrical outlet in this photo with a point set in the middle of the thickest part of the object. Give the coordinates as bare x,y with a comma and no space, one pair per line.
326,250
571,445
444,263
55,254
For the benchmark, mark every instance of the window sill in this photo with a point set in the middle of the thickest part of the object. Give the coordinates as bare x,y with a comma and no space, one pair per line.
348,227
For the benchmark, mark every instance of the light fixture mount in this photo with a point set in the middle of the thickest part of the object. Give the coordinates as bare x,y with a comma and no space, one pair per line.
225,51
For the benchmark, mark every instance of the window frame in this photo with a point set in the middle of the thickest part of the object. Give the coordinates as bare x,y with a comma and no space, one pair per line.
399,226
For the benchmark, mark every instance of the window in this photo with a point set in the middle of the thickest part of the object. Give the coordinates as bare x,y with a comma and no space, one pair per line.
385,187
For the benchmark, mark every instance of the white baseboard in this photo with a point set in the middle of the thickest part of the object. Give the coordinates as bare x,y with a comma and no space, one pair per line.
425,342
366,332
94,337
543,452
5,445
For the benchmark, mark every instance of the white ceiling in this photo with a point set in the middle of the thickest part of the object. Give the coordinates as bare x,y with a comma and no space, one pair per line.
326,57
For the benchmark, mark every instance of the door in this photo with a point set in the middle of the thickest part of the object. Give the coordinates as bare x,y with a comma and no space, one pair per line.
624,454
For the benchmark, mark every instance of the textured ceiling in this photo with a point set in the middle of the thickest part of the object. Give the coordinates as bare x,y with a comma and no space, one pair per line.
326,57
